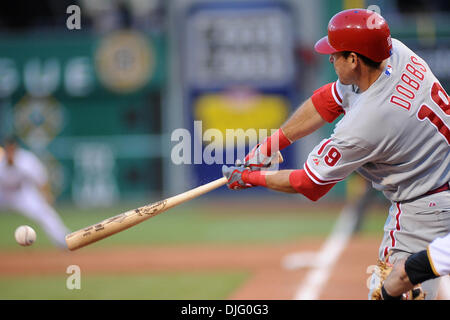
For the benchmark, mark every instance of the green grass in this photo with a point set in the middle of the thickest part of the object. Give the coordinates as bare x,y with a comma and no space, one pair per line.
185,225
374,222
197,224
165,286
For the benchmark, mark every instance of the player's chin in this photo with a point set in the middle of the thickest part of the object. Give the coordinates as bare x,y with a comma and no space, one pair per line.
344,80
343,76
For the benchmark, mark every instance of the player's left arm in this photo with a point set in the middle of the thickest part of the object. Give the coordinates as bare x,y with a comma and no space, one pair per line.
325,105
305,120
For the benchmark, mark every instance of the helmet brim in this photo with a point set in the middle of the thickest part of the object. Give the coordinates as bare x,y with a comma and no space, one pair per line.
324,47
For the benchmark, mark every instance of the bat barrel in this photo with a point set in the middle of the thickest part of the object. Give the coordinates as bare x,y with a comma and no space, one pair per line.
125,220
105,228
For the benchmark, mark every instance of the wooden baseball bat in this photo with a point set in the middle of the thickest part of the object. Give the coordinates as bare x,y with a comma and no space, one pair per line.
125,220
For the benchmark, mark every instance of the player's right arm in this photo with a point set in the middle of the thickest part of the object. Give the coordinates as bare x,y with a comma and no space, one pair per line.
328,163
288,181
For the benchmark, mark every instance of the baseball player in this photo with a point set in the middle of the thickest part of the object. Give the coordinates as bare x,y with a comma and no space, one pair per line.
24,188
395,132
427,264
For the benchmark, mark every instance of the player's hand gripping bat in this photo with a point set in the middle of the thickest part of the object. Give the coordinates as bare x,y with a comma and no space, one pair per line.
125,220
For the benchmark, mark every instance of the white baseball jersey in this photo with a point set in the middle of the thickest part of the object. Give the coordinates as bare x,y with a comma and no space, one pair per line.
439,255
19,191
396,133
26,171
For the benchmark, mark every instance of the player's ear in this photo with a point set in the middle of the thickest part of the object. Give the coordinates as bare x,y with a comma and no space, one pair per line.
354,58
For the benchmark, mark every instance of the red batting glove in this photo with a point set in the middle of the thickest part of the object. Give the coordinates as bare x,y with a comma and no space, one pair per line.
266,153
242,178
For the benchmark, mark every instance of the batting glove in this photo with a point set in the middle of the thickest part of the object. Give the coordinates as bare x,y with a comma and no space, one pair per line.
267,153
256,160
234,176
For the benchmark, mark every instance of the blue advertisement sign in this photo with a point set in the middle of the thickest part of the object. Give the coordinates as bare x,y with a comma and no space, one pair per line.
238,69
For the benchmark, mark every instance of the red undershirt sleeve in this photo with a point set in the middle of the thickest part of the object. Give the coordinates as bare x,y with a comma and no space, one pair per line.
300,181
256,178
327,102
277,141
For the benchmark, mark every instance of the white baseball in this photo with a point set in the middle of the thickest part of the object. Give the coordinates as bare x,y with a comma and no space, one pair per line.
25,235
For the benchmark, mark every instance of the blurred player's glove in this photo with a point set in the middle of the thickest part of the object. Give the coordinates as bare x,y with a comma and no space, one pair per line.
234,176
256,160
384,268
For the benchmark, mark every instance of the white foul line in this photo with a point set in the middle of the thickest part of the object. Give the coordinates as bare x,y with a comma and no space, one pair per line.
327,257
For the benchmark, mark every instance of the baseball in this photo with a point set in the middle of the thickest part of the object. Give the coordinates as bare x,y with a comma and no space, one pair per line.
25,235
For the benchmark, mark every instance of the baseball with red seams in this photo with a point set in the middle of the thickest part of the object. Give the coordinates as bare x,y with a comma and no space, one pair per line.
25,235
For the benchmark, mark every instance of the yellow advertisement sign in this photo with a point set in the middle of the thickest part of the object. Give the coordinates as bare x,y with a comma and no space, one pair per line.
241,110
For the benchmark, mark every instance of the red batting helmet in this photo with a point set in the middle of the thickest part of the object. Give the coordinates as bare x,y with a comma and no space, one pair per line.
359,30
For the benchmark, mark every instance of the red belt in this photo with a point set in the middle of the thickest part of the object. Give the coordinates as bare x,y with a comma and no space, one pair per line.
444,187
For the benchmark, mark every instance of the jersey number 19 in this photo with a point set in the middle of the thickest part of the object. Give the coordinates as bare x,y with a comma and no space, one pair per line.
438,95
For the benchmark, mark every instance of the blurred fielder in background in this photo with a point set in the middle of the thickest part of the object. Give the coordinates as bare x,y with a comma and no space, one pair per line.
24,188
395,132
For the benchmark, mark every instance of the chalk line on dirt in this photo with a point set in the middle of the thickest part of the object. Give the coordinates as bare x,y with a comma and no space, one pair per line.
325,259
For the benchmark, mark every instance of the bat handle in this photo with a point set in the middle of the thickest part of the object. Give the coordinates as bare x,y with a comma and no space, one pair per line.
279,159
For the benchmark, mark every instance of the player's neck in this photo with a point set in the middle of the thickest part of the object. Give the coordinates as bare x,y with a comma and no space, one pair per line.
368,76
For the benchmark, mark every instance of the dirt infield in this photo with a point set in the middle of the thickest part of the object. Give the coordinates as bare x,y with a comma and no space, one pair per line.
268,280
